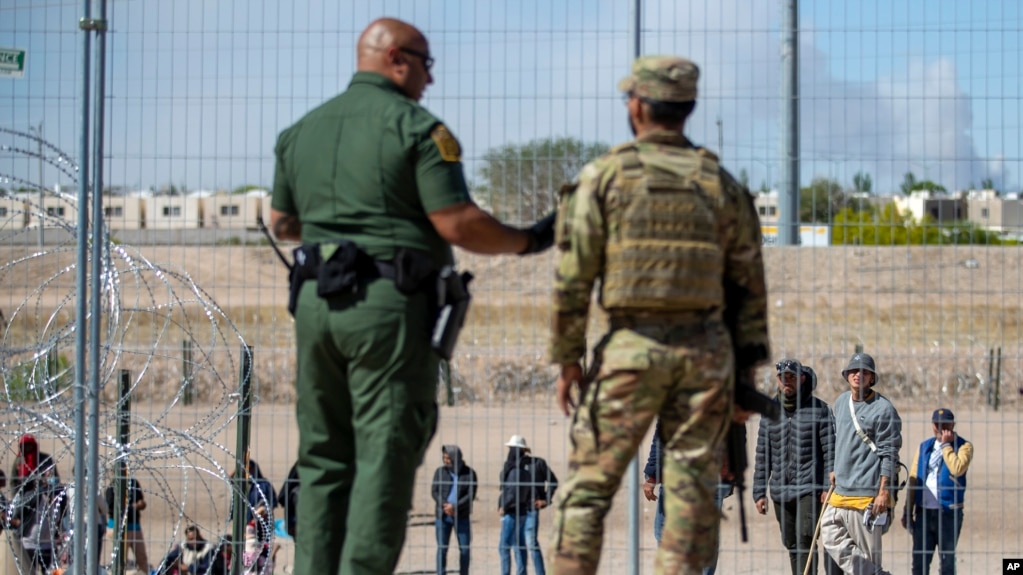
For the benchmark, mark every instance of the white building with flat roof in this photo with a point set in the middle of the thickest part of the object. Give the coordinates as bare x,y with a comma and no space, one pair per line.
231,211
123,212
13,213
173,213
939,206
988,210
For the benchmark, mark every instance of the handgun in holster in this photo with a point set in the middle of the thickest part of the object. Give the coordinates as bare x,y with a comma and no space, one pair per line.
453,299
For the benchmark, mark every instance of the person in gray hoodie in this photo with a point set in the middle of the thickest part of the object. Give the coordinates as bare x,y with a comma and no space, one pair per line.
868,436
794,458
454,489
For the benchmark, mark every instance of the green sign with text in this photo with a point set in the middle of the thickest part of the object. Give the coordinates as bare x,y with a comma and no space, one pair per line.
12,62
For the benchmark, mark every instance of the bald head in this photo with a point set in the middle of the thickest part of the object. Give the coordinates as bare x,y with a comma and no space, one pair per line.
398,51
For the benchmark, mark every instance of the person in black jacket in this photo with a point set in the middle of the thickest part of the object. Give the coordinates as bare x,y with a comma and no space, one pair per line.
527,486
287,498
453,490
795,456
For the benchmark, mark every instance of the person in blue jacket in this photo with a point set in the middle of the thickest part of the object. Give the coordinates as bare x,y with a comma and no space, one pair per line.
937,486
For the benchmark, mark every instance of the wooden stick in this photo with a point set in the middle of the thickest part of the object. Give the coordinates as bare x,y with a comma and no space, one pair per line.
817,532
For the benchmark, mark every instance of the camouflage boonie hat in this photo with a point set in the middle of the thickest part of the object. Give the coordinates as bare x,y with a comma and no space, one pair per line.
662,78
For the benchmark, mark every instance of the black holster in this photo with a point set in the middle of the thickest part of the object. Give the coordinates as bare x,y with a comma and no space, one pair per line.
306,266
453,304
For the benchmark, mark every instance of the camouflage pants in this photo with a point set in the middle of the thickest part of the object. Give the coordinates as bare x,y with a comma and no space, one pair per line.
684,376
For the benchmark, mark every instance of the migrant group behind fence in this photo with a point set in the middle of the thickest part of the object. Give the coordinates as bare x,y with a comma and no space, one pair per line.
833,474
38,515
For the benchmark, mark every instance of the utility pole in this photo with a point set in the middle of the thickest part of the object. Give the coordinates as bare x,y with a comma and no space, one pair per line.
42,187
721,140
632,544
788,194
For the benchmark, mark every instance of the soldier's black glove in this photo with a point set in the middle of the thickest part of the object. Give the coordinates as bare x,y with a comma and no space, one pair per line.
541,235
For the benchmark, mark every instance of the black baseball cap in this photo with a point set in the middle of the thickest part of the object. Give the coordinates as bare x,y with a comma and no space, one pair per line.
943,415
789,366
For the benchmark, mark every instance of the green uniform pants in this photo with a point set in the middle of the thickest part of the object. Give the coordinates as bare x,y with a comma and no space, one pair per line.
683,374
366,413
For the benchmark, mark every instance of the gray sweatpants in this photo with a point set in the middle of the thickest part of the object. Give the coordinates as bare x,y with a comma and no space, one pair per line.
856,549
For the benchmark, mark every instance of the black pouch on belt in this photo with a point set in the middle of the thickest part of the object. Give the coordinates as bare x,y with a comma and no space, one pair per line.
339,271
414,271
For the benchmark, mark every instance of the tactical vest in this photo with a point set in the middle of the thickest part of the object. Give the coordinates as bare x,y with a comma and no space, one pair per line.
664,250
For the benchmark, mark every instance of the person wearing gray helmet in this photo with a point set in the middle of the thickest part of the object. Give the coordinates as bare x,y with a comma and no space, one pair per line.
868,436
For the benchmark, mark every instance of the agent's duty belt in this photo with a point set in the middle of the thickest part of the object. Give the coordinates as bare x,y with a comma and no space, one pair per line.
338,267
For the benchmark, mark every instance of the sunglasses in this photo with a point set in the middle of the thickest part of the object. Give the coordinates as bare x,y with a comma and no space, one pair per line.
787,366
426,58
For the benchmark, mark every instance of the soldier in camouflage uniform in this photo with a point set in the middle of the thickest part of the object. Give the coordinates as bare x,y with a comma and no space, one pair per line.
674,241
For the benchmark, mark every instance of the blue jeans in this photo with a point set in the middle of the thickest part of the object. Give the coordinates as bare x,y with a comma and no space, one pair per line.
724,490
512,538
463,530
532,544
936,528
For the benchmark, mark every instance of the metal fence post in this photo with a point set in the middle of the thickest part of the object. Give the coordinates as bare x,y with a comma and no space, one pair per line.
187,383
121,472
998,379
241,467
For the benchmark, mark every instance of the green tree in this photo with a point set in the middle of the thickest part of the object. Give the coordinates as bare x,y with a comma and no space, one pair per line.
520,181
764,188
862,182
908,181
744,178
987,184
245,188
928,185
886,227
820,201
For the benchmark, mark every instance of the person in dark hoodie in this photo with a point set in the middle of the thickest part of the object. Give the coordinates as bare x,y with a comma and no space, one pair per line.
527,486
795,455
259,492
30,465
653,477
453,490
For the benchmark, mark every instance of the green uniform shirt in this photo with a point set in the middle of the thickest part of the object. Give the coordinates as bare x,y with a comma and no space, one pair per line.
367,166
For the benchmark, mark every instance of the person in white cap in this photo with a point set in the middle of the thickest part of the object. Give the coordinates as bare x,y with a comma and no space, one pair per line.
527,486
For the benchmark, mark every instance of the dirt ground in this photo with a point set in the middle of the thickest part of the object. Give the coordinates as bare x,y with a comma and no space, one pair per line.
992,527
930,316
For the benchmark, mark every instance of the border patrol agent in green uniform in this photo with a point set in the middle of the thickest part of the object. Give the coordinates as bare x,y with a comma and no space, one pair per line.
674,241
372,184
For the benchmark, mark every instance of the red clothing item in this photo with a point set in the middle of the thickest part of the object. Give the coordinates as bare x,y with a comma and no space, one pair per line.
28,449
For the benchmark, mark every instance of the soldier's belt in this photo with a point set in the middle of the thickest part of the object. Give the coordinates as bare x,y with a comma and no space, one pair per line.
667,326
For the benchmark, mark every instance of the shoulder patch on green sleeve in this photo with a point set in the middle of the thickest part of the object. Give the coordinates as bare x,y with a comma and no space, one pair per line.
450,150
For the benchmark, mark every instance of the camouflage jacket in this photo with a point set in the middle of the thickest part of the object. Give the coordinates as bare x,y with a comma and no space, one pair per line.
581,237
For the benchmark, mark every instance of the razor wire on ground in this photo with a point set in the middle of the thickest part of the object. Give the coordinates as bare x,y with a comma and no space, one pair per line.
165,343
